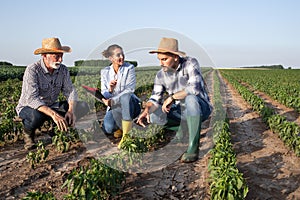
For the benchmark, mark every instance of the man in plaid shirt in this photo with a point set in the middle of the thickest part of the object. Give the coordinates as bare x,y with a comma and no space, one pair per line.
188,100
42,83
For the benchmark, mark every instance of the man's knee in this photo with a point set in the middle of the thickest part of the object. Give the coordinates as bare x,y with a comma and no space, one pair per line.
158,117
192,104
33,120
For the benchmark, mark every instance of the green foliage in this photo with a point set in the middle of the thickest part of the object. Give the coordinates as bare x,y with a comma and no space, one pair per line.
98,63
63,139
4,63
281,85
142,140
134,63
96,181
287,131
9,93
36,157
267,67
39,196
11,72
226,182
92,63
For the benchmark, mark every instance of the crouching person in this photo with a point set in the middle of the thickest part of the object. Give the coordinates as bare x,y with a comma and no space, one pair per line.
42,83
118,83
180,77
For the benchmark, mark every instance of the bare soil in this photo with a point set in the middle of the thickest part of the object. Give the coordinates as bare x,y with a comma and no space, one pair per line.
270,169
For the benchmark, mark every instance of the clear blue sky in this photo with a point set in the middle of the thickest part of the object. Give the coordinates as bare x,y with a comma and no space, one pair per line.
233,33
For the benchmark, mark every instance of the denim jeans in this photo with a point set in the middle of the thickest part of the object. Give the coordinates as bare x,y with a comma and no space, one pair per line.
128,109
192,105
33,119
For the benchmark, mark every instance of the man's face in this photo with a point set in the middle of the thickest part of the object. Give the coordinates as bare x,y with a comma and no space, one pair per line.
168,62
53,60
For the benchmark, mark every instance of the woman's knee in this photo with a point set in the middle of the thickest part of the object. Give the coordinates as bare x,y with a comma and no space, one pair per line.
125,97
108,128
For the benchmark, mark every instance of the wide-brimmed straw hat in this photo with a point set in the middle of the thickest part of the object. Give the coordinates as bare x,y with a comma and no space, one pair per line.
52,45
168,45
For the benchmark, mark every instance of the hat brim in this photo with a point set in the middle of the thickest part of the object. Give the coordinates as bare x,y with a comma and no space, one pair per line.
179,53
64,49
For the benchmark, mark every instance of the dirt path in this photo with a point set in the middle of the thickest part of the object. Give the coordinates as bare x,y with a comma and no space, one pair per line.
272,171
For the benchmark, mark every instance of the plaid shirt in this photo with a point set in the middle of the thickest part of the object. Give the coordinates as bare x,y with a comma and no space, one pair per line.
42,88
187,77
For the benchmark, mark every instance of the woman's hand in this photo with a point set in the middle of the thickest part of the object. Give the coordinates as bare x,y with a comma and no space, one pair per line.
107,102
112,85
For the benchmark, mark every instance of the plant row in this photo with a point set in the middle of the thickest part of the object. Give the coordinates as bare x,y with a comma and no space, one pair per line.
226,182
287,131
281,85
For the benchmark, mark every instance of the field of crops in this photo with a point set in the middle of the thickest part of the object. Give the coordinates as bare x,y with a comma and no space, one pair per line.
62,168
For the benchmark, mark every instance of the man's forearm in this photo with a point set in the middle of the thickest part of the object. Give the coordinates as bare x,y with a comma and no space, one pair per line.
47,110
179,95
150,107
72,105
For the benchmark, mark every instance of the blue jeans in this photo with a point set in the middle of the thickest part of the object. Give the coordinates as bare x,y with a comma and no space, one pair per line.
128,109
33,119
192,105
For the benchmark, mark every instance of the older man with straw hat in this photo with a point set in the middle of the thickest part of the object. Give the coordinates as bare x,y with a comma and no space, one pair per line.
180,77
42,83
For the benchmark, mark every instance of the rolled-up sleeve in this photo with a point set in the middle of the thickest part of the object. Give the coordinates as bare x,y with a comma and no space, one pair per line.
105,83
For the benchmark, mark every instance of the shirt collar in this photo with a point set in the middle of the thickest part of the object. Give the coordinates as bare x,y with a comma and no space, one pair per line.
121,68
180,64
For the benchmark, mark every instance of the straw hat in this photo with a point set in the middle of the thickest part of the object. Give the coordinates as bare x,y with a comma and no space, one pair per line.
168,45
52,45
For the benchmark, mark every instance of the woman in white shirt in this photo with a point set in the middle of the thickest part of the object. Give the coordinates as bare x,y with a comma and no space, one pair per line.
118,83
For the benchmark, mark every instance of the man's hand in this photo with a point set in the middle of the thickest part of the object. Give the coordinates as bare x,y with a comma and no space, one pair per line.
166,107
70,118
143,118
60,121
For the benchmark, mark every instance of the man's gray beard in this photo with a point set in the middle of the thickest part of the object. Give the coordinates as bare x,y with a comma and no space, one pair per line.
55,65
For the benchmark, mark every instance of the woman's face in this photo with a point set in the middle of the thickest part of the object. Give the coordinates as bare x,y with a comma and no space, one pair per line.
117,58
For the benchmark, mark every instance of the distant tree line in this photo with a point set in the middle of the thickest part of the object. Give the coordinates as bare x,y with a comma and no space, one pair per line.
98,63
4,63
267,67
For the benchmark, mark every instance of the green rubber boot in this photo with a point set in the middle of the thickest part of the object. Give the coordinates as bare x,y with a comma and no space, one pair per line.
172,125
194,127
